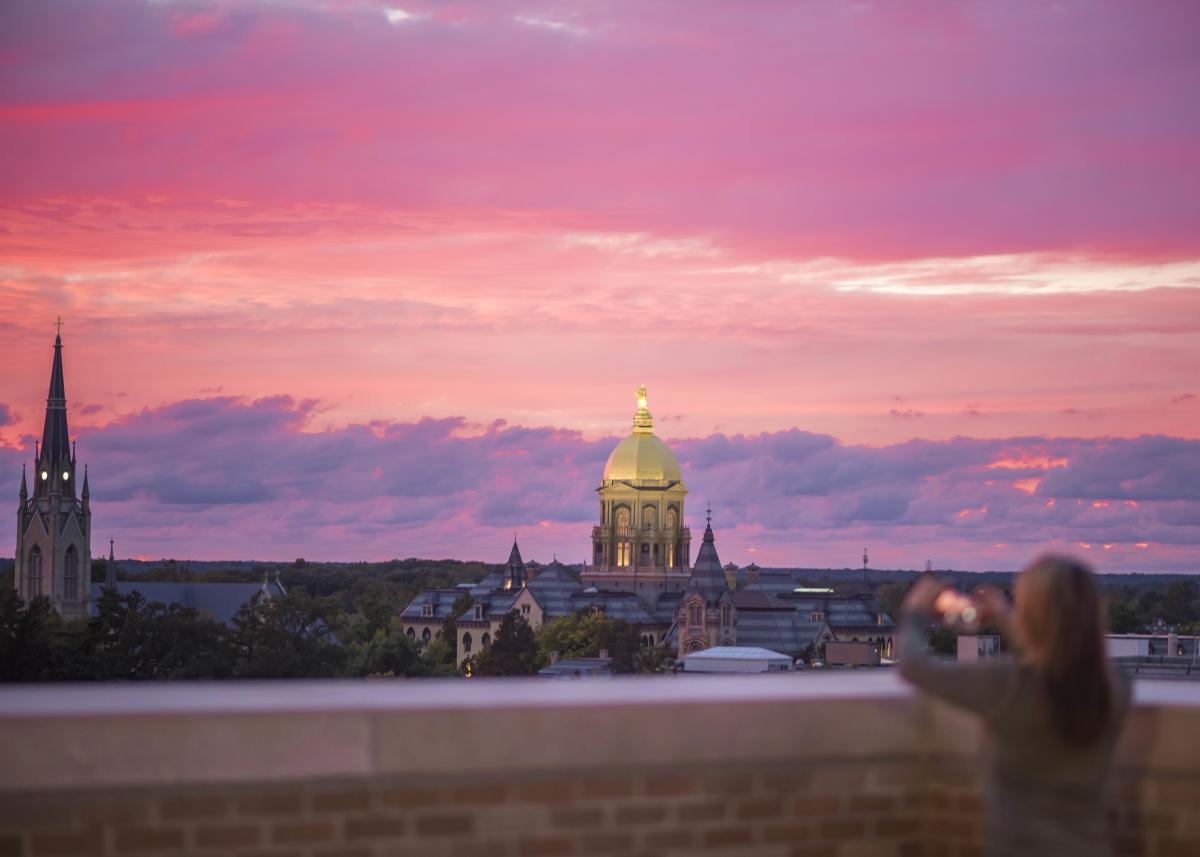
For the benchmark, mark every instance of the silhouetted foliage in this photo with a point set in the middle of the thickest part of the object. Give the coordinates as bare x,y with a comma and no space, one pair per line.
284,637
589,632
514,651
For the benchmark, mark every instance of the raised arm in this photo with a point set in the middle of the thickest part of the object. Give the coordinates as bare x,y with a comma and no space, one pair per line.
983,688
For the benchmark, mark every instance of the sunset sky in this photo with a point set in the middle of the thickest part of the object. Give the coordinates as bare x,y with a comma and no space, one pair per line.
350,280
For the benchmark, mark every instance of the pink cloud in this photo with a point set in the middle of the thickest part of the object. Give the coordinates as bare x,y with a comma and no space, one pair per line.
225,478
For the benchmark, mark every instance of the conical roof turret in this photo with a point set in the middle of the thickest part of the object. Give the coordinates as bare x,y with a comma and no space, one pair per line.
708,575
515,574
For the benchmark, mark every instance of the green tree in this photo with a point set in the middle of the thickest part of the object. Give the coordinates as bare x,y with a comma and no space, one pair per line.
514,651
27,638
1123,618
284,637
448,634
389,651
587,633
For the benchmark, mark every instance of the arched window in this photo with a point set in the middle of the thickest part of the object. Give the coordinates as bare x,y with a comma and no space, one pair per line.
726,615
33,584
426,636
649,518
695,615
623,521
467,642
645,553
412,632
71,575
486,641
672,518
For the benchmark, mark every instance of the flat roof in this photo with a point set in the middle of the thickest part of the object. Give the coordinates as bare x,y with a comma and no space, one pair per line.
738,653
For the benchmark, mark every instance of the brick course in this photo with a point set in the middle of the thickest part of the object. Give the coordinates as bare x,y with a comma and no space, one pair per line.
902,807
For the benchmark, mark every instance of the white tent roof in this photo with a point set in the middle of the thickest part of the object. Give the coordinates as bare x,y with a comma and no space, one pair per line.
738,653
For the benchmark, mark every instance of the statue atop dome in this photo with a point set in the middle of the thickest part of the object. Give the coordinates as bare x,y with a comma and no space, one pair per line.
643,423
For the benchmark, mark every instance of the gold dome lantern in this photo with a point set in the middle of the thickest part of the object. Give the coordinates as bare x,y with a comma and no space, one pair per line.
642,457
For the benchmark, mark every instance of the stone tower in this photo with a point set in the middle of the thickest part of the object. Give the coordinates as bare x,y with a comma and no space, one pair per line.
706,615
54,526
641,544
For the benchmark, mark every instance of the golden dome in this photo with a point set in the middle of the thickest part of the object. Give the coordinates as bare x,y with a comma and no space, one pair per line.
642,457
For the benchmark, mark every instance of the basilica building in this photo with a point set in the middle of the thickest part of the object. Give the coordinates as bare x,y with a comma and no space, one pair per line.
54,525
640,570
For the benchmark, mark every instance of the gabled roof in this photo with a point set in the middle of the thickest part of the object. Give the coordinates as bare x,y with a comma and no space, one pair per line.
553,588
219,601
441,600
494,604
616,605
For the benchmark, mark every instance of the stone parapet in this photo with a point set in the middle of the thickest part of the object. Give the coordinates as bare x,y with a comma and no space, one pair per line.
845,763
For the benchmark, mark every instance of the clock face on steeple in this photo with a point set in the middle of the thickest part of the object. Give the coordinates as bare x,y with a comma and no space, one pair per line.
66,475
45,475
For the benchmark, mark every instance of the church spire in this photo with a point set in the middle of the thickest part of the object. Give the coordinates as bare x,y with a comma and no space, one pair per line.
110,573
56,445
643,423
24,487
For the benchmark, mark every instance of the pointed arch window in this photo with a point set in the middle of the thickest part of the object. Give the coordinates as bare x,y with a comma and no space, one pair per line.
726,615
33,580
426,636
467,642
71,575
486,640
695,615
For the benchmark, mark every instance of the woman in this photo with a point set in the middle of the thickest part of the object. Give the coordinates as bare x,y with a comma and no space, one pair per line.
1051,714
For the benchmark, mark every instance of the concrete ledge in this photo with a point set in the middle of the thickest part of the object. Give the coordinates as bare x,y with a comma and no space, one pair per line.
88,736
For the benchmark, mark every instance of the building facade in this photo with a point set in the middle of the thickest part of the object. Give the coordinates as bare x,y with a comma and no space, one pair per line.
54,524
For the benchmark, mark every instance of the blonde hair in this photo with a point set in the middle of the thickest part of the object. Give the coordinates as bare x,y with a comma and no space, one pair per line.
1061,613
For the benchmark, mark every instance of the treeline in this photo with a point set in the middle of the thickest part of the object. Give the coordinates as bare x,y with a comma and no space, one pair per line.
1139,607
296,635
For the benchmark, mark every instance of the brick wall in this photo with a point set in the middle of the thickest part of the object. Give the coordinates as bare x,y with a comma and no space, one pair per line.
749,766
825,808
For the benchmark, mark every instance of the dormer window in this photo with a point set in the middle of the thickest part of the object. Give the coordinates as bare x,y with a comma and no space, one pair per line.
817,616
478,611
426,610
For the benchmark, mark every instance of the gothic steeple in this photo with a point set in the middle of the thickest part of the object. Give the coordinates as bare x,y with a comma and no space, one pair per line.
54,558
56,444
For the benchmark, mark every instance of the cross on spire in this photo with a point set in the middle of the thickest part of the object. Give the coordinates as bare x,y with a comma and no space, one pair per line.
58,324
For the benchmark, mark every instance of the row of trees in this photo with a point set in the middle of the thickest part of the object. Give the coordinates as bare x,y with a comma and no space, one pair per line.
130,639
291,636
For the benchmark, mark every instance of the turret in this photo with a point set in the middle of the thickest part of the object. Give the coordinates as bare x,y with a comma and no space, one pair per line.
24,488
515,575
